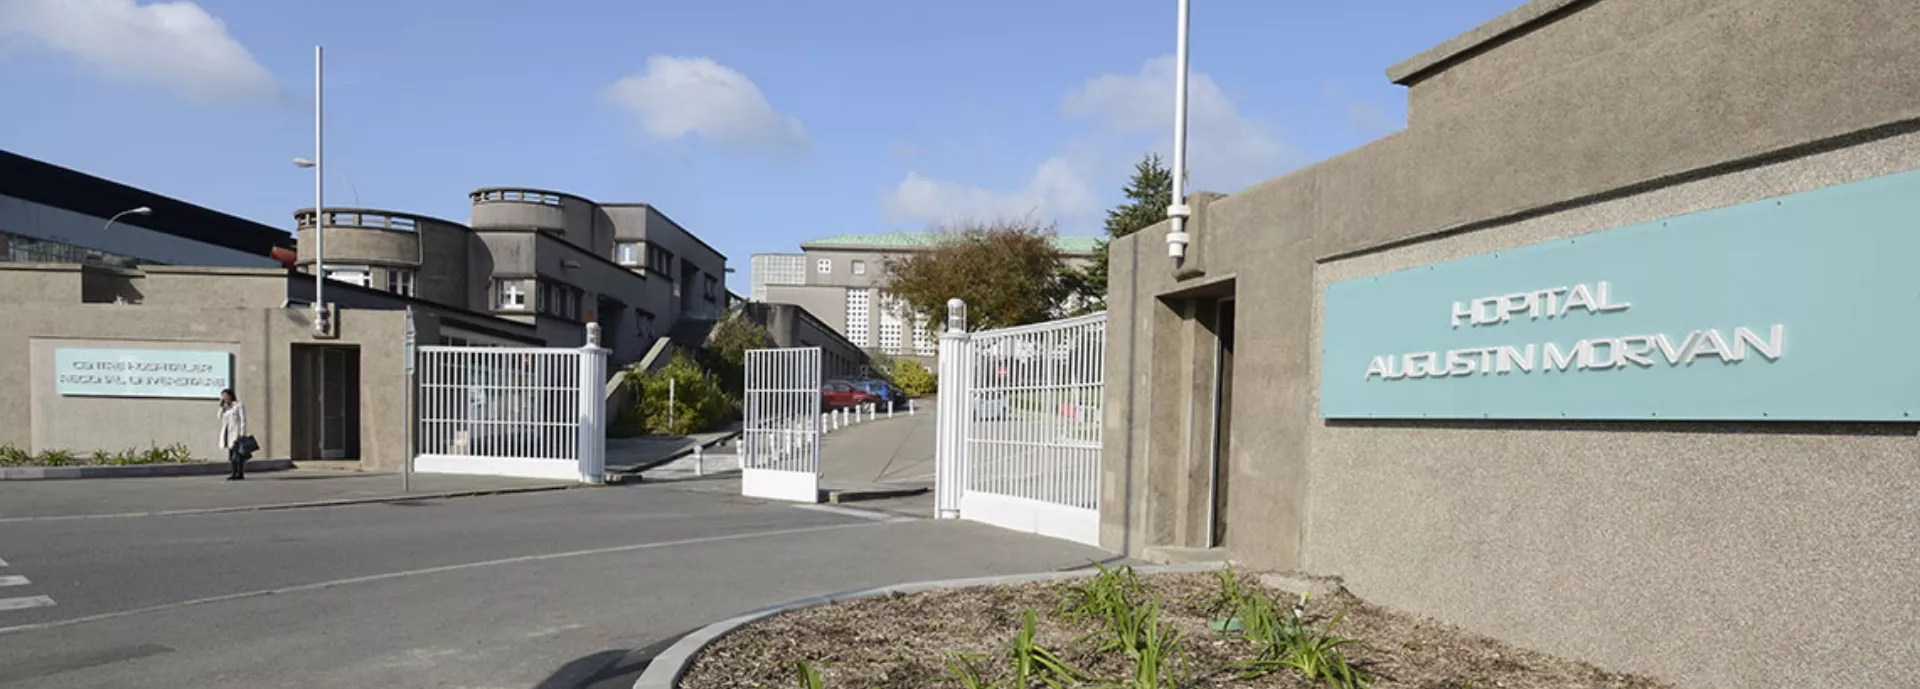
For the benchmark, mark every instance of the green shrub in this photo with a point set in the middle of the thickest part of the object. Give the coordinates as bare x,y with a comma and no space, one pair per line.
914,379
11,456
697,401
176,453
55,458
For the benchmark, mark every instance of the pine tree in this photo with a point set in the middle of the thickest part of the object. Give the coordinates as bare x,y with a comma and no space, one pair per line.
1148,193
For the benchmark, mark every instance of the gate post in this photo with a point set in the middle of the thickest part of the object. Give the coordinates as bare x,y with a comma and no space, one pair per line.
593,408
955,393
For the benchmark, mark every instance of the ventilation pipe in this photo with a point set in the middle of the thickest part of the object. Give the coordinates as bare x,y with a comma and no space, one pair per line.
1178,211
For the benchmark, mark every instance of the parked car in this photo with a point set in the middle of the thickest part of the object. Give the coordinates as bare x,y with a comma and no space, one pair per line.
884,390
840,394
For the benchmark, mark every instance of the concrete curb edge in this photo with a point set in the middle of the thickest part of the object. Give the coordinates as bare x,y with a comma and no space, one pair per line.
135,471
667,668
669,459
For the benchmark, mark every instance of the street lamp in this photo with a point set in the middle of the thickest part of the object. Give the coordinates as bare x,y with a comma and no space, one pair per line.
304,164
143,210
319,199
1178,210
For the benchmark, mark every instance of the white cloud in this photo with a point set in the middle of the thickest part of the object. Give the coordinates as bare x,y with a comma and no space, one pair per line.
1057,189
678,96
1227,151
1362,118
175,45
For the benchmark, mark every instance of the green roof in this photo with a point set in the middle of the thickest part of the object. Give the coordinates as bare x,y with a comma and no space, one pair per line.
920,240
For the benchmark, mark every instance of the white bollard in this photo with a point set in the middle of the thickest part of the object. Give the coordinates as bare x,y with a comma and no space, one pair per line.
699,462
873,410
889,409
826,422
909,407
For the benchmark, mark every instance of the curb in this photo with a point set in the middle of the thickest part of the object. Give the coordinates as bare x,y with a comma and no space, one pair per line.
410,497
137,471
668,459
671,665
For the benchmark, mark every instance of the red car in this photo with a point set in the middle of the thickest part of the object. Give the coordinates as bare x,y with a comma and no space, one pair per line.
838,395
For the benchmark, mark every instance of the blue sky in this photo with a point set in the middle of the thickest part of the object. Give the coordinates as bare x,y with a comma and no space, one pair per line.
755,123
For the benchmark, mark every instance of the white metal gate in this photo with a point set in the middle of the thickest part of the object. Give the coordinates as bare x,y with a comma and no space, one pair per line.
535,412
780,456
1020,426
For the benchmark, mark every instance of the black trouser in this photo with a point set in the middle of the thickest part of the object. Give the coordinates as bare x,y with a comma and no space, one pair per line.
238,460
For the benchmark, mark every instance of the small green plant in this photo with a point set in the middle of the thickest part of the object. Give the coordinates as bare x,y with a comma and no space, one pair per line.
56,458
809,677
1286,641
11,456
1227,597
1027,660
1153,646
1100,597
681,398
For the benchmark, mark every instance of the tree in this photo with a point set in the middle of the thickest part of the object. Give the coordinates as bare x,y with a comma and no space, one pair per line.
1148,194
727,345
1009,273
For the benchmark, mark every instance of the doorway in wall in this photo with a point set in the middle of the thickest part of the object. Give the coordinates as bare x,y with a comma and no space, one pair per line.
326,402
1222,450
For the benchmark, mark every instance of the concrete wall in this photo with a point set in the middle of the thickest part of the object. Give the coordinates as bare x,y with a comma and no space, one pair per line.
261,339
1748,555
828,304
791,325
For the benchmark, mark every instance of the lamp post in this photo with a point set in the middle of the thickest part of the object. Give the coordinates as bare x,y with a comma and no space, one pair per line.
304,164
142,210
1178,210
319,197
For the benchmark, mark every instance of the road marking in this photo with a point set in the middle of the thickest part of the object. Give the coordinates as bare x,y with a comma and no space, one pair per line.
24,603
13,580
430,570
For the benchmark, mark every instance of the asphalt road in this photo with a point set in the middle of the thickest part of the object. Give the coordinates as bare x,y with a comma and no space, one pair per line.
543,590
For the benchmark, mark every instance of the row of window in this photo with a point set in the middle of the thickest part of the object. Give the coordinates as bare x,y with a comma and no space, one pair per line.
396,280
825,266
657,259
22,249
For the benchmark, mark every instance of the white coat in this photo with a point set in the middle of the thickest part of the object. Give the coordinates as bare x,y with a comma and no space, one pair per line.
233,424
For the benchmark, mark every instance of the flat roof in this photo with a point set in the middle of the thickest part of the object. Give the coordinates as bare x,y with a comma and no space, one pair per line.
1482,38
923,240
47,184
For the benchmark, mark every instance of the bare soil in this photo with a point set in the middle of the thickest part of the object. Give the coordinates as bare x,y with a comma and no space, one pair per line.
907,641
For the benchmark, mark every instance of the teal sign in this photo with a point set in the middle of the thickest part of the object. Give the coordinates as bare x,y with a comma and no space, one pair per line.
172,373
1802,307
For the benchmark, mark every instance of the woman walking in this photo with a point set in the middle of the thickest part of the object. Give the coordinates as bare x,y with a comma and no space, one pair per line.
233,427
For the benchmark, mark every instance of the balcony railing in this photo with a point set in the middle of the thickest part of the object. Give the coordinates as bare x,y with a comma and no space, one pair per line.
533,196
355,218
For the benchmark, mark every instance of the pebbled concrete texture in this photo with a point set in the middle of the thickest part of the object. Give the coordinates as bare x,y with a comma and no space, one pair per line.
671,664
140,471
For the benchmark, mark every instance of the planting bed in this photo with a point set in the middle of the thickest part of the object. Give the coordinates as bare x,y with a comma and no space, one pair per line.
915,641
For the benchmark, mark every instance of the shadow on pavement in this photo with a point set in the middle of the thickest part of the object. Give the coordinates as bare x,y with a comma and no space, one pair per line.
607,669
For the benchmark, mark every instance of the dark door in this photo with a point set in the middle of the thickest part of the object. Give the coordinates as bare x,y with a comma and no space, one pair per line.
1222,421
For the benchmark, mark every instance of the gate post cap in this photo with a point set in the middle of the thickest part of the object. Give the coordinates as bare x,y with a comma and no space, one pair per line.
956,314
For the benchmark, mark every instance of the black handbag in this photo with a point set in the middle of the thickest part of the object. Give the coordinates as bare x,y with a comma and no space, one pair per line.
247,446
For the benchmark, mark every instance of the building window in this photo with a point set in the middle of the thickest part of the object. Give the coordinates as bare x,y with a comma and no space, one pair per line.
859,267
923,343
353,275
645,320
713,285
512,294
659,260
824,266
890,325
627,253
859,328
400,281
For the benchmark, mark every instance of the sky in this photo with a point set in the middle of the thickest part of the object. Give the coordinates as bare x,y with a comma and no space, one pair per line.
756,124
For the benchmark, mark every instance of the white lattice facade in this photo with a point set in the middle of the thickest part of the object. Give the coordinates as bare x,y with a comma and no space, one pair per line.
923,341
777,269
859,321
891,324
